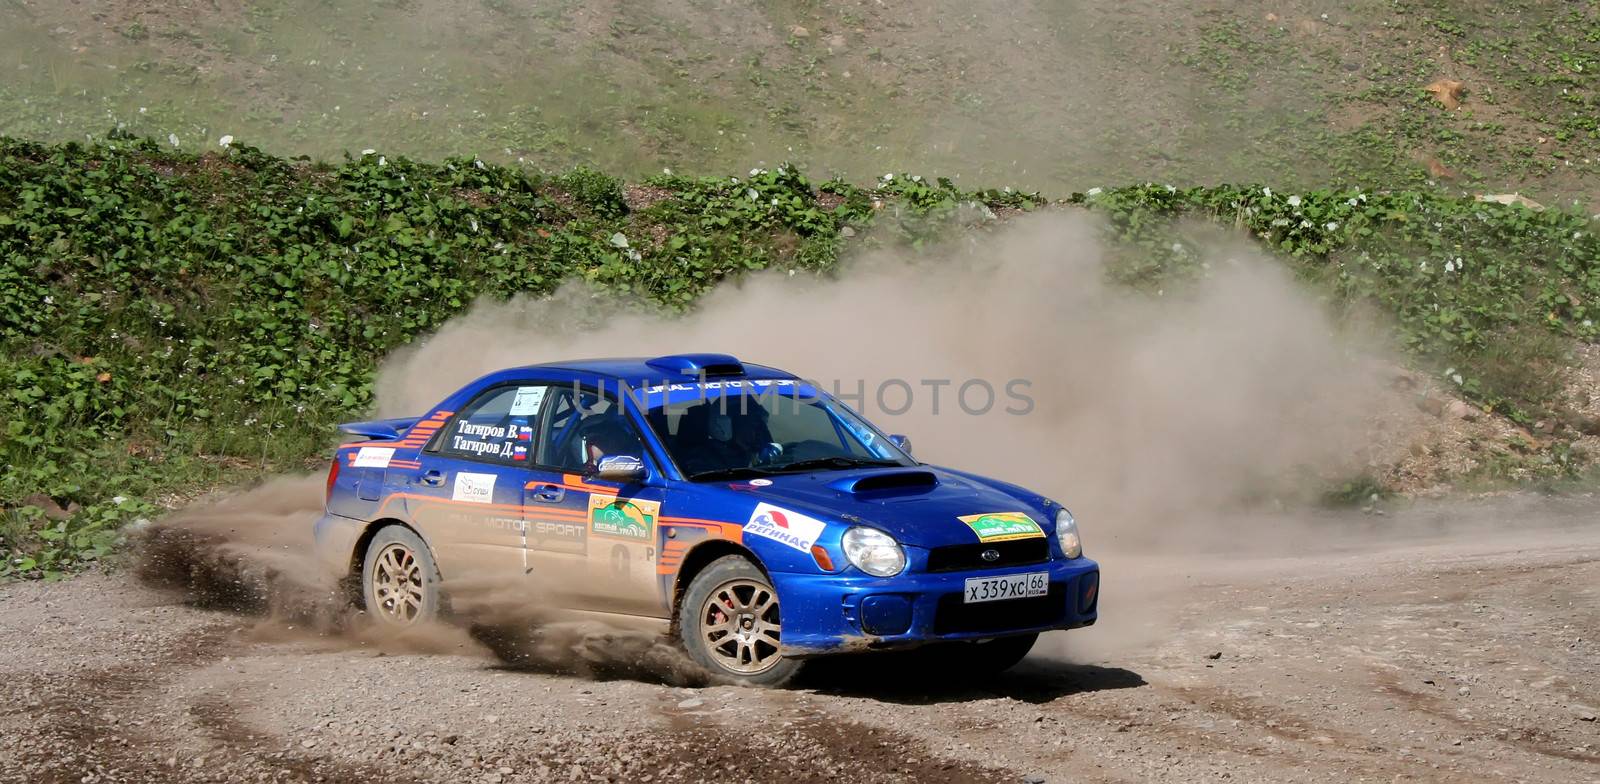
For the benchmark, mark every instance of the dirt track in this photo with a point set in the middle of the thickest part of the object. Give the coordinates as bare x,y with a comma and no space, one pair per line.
1472,657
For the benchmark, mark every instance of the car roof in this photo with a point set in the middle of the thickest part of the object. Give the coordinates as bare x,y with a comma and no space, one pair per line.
674,368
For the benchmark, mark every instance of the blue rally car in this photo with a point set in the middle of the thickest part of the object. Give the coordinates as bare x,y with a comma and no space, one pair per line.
735,505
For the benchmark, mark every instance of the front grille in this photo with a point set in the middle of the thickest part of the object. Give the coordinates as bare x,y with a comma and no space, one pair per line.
962,557
954,616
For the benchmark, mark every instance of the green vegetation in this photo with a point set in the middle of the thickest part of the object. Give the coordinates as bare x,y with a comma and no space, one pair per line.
174,321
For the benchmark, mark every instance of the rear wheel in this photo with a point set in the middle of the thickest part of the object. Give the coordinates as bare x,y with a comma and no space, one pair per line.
400,583
730,624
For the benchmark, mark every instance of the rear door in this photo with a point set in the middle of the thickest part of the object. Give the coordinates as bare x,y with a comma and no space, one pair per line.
467,496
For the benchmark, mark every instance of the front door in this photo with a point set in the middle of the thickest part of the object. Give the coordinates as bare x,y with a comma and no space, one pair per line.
617,570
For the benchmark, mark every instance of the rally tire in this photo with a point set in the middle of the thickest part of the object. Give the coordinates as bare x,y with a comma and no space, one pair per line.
399,580
729,623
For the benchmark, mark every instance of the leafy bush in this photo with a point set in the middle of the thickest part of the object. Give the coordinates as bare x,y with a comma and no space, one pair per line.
172,321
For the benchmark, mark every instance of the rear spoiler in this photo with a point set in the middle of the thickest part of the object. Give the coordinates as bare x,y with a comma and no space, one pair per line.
380,429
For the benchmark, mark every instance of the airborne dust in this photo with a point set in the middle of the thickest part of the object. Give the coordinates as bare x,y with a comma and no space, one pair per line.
1160,419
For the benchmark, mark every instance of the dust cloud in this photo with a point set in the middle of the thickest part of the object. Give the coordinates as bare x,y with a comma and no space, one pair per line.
1167,421
1171,422
1143,413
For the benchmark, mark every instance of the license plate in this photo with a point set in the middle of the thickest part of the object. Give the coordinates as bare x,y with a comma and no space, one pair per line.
1009,586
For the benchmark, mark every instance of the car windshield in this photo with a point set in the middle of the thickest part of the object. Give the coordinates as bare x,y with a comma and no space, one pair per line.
742,429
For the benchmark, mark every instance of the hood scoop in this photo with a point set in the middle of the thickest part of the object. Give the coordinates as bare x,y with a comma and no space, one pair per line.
890,480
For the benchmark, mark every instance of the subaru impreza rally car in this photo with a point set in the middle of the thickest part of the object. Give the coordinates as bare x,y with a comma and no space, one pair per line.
749,512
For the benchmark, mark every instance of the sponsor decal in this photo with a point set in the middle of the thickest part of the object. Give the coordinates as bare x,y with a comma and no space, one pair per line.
373,457
760,482
750,485
524,433
622,518
558,536
473,488
519,452
527,401
1002,526
738,384
781,525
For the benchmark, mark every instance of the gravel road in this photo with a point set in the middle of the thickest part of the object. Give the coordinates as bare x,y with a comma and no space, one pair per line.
1447,654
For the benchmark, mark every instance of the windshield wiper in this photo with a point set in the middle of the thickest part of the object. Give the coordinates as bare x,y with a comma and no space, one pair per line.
737,472
837,462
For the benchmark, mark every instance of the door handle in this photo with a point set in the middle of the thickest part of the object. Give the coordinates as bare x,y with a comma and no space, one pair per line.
550,494
433,479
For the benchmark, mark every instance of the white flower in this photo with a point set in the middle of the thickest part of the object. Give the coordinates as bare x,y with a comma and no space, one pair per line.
49,300
119,500
1331,226
1450,266
756,172
382,161
473,222
1456,377
916,178
368,151
477,163
1280,222
888,177
1423,267
1096,191
1267,192
142,110
751,192
618,240
1460,264
226,140
1294,201
1353,201
172,139
1305,224
666,171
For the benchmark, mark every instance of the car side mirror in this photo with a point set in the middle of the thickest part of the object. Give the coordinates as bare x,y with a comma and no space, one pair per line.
902,443
620,468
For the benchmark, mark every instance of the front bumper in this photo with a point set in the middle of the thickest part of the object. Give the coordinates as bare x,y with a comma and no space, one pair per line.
840,613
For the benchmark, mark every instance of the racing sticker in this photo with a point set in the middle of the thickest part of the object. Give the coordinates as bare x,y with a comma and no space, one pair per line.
373,457
632,519
473,488
1002,526
791,528
527,401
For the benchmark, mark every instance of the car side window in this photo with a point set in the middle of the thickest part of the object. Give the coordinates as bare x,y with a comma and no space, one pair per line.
580,427
498,425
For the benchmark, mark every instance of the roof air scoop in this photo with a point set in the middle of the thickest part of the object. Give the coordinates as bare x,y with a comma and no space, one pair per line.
706,365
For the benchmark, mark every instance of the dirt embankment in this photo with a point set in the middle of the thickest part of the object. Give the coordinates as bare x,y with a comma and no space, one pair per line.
1442,644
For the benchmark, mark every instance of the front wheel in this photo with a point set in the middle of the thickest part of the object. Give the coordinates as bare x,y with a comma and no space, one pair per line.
398,578
730,624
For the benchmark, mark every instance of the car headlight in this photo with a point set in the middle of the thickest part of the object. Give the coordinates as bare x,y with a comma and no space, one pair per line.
1067,534
874,552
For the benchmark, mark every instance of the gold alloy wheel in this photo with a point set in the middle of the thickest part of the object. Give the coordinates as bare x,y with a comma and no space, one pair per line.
739,623
397,584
